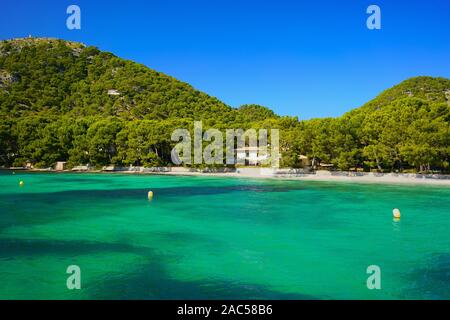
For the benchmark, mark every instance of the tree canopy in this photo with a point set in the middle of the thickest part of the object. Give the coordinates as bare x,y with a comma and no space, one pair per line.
64,101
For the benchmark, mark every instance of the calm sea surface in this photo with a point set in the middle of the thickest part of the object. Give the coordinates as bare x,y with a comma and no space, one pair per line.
219,238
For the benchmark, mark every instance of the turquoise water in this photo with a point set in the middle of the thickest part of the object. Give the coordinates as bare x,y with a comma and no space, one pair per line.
219,238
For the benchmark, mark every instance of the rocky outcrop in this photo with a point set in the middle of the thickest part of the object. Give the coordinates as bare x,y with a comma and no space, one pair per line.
6,78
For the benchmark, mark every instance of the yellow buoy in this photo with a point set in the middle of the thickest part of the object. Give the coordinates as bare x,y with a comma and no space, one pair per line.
396,213
150,195
21,183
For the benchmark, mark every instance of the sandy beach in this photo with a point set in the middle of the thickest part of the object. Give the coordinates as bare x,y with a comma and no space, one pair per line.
386,179
279,174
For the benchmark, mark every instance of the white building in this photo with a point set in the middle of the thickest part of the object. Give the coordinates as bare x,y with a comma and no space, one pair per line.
61,166
113,92
251,156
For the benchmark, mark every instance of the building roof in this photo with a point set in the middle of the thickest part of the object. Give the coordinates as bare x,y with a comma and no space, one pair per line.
248,149
326,165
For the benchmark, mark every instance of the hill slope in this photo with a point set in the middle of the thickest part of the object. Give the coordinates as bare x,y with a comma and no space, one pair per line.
432,90
69,78
64,101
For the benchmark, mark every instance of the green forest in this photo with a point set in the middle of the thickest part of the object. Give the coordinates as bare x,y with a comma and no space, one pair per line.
64,101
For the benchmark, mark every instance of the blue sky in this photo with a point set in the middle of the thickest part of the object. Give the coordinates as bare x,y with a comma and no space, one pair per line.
301,58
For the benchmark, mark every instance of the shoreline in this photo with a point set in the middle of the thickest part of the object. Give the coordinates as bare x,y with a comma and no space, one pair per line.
254,173
313,177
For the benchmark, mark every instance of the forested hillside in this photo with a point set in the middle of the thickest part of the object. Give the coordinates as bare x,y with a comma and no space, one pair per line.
63,101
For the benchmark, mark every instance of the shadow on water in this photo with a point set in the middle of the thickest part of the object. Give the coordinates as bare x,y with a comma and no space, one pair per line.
13,247
151,281
37,208
138,193
431,282
148,281
258,207
35,247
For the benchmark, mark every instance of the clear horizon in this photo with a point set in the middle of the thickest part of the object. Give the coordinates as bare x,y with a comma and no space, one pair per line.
298,59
